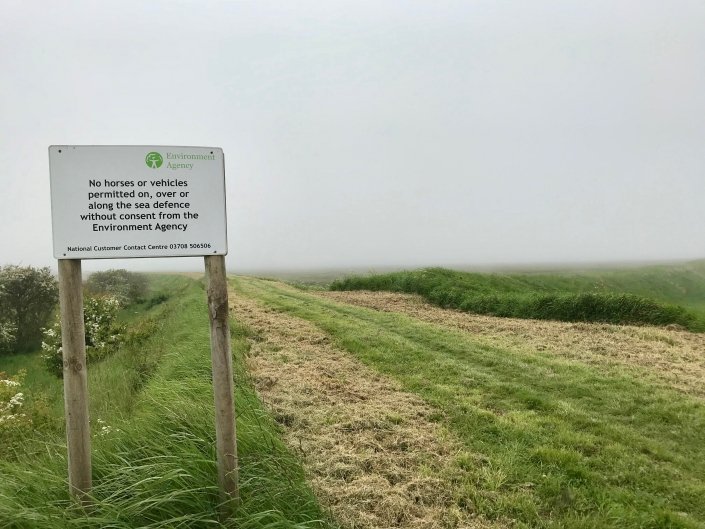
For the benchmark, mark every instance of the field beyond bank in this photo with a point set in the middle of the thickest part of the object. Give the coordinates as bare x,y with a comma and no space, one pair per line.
659,295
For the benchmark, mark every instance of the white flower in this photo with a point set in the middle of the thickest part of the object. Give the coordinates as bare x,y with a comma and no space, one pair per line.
106,430
17,400
4,418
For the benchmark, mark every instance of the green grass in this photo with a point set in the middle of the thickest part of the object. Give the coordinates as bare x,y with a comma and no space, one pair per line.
156,468
550,443
652,295
38,378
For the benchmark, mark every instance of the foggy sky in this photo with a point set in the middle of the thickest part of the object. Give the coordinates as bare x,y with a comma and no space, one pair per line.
377,133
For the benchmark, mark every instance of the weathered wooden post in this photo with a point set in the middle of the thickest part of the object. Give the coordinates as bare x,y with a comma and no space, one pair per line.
226,444
73,343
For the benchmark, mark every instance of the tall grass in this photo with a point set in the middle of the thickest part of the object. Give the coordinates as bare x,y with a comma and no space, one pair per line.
545,297
154,460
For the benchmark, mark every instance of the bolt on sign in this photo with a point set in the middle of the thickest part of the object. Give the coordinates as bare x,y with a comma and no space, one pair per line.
127,201
111,202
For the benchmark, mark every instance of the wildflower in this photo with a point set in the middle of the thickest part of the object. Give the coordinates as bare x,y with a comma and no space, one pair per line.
106,429
14,417
17,400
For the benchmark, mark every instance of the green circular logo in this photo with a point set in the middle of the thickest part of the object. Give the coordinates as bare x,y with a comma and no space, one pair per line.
154,160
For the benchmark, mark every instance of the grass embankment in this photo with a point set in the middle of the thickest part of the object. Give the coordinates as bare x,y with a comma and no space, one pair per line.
550,443
153,452
651,295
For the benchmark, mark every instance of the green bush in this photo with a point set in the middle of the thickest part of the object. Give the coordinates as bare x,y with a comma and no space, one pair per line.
128,287
103,333
28,297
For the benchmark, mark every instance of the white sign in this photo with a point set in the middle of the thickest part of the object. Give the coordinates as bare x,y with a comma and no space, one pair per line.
137,201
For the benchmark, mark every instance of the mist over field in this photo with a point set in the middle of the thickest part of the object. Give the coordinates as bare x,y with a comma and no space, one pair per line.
364,135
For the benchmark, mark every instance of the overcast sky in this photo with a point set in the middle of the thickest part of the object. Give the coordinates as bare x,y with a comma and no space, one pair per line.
377,133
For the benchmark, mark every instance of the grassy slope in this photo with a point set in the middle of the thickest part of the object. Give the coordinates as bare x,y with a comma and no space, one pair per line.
159,469
682,284
652,295
557,444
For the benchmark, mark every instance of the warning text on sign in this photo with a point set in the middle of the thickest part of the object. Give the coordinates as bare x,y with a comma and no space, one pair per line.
111,202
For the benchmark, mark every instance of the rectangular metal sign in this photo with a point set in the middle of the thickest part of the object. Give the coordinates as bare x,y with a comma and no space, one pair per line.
137,201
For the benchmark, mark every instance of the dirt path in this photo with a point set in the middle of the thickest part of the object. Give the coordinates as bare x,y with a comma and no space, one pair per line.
373,453
674,357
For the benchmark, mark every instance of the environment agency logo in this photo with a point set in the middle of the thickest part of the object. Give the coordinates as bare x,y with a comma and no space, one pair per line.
154,160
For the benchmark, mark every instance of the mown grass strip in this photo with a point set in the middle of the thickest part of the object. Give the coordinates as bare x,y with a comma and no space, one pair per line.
155,467
562,444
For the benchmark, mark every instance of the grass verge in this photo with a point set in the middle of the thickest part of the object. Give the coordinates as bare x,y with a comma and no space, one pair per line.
154,459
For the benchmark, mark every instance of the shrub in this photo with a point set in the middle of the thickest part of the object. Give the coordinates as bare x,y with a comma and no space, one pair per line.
27,299
128,287
103,334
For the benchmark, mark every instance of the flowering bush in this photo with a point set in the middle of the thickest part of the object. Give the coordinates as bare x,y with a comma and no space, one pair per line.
103,334
8,336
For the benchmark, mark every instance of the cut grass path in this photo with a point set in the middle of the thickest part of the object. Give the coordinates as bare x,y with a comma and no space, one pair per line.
668,357
374,453
563,443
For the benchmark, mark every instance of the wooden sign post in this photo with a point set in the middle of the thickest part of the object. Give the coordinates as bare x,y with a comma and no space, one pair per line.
221,356
73,343
140,201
